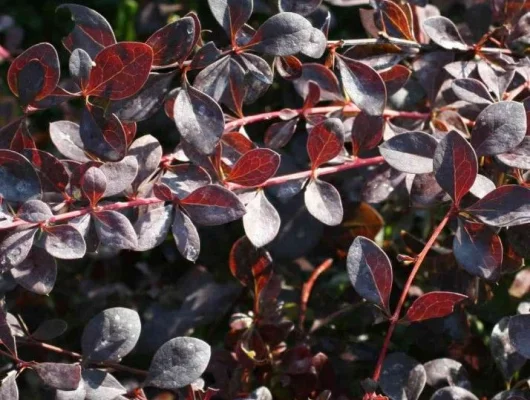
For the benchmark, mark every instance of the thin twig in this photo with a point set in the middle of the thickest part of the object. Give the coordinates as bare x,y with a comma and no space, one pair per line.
307,288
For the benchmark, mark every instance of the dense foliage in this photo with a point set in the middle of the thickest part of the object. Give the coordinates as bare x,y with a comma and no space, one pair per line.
401,160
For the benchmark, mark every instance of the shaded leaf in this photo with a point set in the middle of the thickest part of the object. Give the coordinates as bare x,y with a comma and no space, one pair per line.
8,387
186,236
7,337
199,119
433,305
303,7
443,372
507,205
323,202
231,14
178,363
478,250
100,385
115,230
148,153
363,85
518,157
59,376
502,350
410,152
367,132
261,221
499,128
19,181
455,165
213,205
472,90
453,393
280,133
51,171
111,335
50,329
402,377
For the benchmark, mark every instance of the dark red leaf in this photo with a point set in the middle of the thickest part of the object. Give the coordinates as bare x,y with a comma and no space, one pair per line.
45,57
395,20
395,78
325,142
288,67
455,165
506,206
367,132
52,173
91,32
323,77
478,250
313,96
120,71
174,42
255,167
94,185
213,205
363,85
370,271
433,305
231,14
250,265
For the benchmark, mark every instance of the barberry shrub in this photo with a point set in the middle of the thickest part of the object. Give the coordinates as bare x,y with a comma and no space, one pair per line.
424,119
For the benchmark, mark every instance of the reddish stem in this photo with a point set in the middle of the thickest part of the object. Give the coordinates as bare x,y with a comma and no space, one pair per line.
153,200
308,287
350,108
395,317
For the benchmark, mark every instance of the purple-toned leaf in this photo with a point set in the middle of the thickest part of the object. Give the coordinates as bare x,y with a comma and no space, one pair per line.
518,157
231,14
111,335
443,372
283,34
15,248
100,385
499,128
262,221
444,33
36,71
426,192
496,80
303,7
288,67
455,165
152,227
323,77
410,152
148,153
115,230
370,271
325,141
87,228
506,206
59,376
199,119
402,377
8,387
280,133
121,70
91,32
316,45
395,21
519,331
519,239
250,265
367,132
258,76
51,171
185,178
35,211
174,42
255,167
178,363
478,250
472,90
67,139
502,350
94,185
101,135
433,305
37,273
119,175
453,392
19,181
147,101
213,205
206,55
323,202
49,330
64,242
186,236
363,85
80,65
